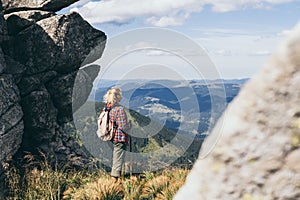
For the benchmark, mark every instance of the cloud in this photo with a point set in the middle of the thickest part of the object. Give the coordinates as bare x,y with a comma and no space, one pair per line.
156,12
260,53
140,45
223,52
164,21
284,33
232,5
159,13
158,53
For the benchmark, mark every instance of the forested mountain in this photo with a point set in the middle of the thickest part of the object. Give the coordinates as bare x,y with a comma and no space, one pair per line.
174,103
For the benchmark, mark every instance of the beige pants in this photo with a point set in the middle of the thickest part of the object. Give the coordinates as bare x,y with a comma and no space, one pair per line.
118,158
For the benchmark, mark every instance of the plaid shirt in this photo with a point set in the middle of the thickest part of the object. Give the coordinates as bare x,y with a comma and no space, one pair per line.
118,116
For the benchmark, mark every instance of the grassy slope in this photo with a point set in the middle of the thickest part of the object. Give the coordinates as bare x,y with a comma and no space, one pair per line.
38,180
146,135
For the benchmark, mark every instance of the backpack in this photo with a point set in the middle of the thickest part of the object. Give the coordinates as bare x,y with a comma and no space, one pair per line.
106,128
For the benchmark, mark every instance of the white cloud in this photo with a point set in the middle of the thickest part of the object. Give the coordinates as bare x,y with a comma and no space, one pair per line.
231,5
239,55
140,45
261,53
164,21
158,53
223,52
159,12
284,33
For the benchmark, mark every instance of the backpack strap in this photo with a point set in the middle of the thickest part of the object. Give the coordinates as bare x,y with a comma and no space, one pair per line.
109,107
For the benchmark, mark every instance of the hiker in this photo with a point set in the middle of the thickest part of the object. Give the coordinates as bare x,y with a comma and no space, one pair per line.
118,116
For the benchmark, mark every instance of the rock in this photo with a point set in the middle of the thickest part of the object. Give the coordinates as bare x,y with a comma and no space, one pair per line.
11,140
40,123
64,42
10,116
39,115
69,92
11,123
18,21
2,61
9,93
14,68
3,30
40,55
92,71
47,86
47,5
257,154
293,160
35,82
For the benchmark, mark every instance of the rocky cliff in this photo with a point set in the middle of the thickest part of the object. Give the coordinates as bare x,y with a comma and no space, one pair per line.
40,56
258,153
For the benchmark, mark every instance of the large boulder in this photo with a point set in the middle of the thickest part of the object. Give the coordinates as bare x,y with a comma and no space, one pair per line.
11,123
59,43
3,28
258,153
42,54
47,5
18,21
67,95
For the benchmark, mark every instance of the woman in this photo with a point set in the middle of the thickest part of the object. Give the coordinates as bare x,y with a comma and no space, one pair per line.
118,116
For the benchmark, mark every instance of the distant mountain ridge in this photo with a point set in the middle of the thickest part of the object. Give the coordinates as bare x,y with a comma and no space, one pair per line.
169,102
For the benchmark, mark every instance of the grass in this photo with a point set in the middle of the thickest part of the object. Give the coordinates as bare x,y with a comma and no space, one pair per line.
38,180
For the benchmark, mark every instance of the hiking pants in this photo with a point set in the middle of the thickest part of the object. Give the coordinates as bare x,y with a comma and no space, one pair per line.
118,158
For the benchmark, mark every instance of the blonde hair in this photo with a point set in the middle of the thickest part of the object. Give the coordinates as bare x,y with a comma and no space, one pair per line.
113,96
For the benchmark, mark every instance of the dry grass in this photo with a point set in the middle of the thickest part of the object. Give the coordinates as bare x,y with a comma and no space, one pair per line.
41,181
133,188
155,186
102,189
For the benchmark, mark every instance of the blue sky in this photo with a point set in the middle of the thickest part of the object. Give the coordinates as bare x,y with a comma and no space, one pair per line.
238,35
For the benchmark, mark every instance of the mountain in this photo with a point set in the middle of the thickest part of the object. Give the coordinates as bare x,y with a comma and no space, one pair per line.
152,145
190,107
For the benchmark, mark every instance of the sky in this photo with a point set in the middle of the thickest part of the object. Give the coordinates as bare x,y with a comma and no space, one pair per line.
238,36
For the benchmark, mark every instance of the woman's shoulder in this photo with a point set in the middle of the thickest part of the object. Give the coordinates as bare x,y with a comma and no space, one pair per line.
118,107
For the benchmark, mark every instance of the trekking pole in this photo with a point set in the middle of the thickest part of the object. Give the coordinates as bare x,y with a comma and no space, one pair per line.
130,150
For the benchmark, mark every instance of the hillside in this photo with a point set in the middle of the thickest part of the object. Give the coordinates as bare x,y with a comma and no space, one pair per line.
153,146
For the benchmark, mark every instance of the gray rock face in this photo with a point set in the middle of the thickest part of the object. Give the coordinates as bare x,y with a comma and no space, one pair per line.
40,57
258,153
18,21
63,92
51,48
11,123
3,29
10,117
60,37
47,5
